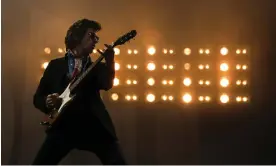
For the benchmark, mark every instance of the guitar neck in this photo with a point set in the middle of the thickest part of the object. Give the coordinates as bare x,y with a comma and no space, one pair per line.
85,73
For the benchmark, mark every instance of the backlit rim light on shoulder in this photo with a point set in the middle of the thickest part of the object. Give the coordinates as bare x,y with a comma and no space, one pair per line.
44,65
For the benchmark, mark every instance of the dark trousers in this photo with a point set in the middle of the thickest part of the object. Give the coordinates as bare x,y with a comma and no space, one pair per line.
56,147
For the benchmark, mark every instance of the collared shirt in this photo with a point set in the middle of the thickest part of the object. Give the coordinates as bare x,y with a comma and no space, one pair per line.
71,63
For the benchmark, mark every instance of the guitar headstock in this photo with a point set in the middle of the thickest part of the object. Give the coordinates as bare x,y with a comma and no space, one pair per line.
125,38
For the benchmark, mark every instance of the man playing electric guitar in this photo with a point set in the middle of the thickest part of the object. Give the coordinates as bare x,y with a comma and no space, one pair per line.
86,124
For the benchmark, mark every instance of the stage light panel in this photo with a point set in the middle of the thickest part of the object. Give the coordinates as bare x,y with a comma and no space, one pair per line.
224,82
200,82
241,99
223,51
200,51
244,67
151,81
224,67
207,51
151,66
134,67
201,67
207,82
187,81
135,52
60,50
117,66
47,50
128,97
171,51
150,97
151,51
238,66
187,98
167,97
224,98
128,82
187,51
187,66
207,98
114,96
117,51
116,81
134,97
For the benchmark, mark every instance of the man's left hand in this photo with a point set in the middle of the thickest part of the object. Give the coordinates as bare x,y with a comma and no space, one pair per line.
108,53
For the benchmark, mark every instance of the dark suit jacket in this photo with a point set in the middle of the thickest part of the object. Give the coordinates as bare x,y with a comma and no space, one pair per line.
88,109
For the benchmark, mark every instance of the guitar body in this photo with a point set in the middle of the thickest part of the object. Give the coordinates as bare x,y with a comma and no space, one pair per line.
54,115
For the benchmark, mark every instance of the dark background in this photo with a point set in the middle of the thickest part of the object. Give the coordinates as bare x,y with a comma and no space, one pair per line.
150,134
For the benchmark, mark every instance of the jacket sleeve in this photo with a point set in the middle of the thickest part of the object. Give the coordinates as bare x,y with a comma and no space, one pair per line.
105,76
39,99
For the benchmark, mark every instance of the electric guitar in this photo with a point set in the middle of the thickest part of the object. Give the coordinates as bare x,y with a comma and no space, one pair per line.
67,97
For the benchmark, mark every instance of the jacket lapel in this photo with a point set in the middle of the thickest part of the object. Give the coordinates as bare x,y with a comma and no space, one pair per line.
63,70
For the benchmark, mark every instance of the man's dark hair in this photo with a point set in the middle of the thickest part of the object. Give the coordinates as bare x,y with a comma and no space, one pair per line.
77,31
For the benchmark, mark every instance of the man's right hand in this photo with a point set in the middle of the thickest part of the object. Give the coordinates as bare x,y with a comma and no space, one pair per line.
53,101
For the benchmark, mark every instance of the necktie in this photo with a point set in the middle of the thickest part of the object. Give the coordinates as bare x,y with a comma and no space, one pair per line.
77,68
